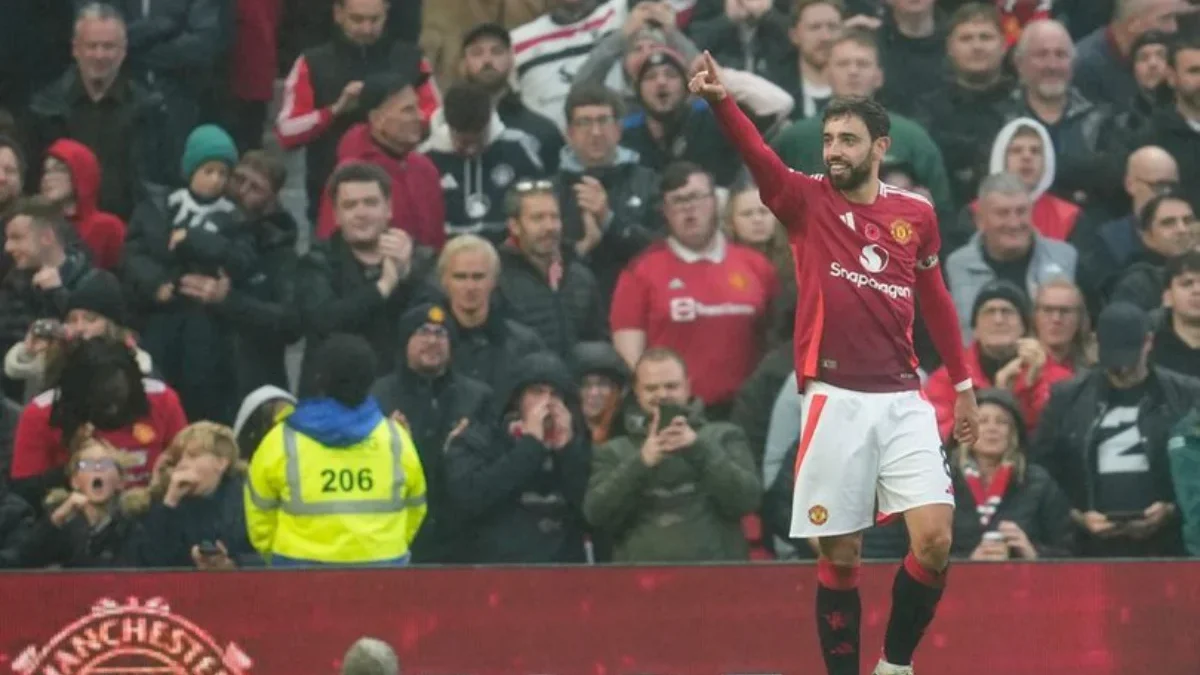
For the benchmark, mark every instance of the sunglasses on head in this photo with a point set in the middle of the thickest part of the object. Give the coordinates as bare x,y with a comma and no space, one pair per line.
523,186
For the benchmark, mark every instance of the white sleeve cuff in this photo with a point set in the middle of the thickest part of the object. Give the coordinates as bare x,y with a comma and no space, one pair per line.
965,385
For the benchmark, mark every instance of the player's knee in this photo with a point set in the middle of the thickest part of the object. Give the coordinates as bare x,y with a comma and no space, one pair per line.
841,551
932,549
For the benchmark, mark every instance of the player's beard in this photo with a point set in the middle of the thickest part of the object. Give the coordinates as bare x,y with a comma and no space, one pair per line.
858,176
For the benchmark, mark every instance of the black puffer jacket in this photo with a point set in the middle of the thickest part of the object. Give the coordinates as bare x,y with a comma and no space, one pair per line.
562,317
76,544
1035,504
489,352
16,527
522,501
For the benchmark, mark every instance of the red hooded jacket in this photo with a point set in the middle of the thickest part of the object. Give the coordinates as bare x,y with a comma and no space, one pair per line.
417,205
102,233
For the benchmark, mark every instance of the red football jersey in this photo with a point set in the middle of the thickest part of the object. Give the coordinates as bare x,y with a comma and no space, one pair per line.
710,312
38,447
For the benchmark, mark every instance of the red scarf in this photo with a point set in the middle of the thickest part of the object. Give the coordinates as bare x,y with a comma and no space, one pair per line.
987,497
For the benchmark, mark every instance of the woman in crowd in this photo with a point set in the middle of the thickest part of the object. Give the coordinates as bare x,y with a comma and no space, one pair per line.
1062,325
196,516
749,222
1006,508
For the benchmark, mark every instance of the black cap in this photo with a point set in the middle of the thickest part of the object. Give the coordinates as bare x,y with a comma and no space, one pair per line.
99,293
1121,332
999,289
487,29
380,87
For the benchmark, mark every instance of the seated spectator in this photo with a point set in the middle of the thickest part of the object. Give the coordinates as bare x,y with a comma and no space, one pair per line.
677,486
1177,340
389,139
609,201
803,73
854,70
747,221
1168,228
91,525
553,295
487,61
1006,507
366,275
1006,247
1103,438
1148,56
94,309
479,159
1001,356
17,522
360,499
489,344
749,35
1023,149
1173,127
519,482
437,402
100,393
696,293
12,171
258,414
603,378
71,179
195,516
1063,326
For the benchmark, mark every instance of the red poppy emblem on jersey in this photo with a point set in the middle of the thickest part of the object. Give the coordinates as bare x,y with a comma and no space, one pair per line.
902,231
871,231
817,515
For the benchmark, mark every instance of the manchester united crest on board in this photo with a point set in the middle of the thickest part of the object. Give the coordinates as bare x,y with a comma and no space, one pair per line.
817,515
902,231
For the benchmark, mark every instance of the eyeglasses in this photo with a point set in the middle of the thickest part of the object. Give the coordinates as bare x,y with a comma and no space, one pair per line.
526,186
1060,311
589,123
95,465
432,330
684,201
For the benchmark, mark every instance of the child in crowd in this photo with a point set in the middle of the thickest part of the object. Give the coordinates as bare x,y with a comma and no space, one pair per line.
201,207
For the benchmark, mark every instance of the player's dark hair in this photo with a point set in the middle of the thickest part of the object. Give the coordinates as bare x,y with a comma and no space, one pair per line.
1188,263
1182,43
658,355
359,172
801,6
593,95
677,174
468,108
1149,212
975,12
872,114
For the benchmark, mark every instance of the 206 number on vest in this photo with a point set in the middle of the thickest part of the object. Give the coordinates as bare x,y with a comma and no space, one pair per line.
347,480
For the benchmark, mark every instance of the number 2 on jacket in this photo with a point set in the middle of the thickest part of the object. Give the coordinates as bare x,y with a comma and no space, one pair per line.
347,480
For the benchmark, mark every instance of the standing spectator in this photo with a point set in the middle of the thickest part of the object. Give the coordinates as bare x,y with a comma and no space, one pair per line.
1085,135
964,115
479,159
1007,247
672,490
101,393
550,50
747,221
389,140
750,35
262,308
854,71
35,40
487,61
115,115
814,25
697,294
443,23
520,483
250,71
1177,340
1150,60
489,344
553,295
71,178
603,378
12,170
1103,69
1168,230
912,52
437,403
321,95
998,492
1002,355
1024,149
1062,325
1103,439
1174,127
366,275
360,498
608,199
195,517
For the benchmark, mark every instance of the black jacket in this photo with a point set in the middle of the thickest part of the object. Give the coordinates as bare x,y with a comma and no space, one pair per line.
262,308
633,198
756,399
1168,130
76,544
1172,353
516,115
1141,282
1064,440
167,535
694,137
767,45
10,415
488,353
16,527
337,294
433,408
521,501
1036,505
914,68
562,317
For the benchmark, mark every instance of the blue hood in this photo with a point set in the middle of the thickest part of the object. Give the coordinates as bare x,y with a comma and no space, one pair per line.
334,425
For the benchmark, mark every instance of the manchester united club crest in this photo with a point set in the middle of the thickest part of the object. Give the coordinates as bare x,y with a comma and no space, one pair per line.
902,231
818,515
144,433
737,281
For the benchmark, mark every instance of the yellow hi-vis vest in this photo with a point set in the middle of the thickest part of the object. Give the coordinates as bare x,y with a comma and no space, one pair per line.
357,504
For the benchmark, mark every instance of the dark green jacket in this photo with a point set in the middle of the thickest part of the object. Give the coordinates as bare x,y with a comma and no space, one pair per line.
688,508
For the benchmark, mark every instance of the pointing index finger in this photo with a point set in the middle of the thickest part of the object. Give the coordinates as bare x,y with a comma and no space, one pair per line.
709,64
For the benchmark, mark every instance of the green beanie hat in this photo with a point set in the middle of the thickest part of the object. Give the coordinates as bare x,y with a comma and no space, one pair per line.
207,143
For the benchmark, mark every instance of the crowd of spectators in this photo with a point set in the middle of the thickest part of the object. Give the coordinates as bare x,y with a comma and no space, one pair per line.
544,316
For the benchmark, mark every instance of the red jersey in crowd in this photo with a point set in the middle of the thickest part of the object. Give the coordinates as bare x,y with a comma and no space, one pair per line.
707,307
102,233
1016,14
38,447
416,188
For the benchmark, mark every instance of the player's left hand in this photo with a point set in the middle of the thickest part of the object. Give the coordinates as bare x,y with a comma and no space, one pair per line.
966,418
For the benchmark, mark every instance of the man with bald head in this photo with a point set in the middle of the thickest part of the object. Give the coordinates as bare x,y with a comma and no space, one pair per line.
1103,68
1088,161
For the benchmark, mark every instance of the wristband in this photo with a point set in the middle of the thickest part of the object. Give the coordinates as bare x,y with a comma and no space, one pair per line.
965,385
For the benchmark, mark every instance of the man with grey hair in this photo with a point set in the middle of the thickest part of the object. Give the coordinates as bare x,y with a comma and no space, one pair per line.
1103,71
1005,247
370,656
1085,135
